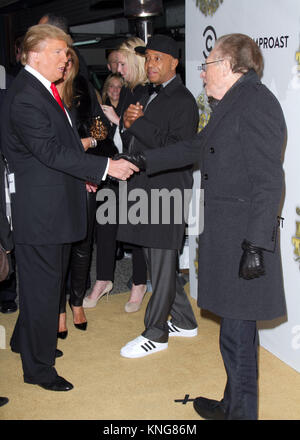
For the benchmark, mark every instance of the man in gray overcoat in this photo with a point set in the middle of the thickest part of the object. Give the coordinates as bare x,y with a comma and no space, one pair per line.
240,152
167,113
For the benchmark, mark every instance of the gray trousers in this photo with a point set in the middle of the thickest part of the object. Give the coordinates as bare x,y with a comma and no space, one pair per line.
168,296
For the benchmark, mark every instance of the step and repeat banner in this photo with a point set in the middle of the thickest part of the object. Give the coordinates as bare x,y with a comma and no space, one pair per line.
275,26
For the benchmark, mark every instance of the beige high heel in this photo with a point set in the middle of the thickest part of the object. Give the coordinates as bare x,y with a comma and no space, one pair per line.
134,306
89,303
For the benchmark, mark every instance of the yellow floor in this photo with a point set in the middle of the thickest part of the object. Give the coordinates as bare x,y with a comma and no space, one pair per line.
109,387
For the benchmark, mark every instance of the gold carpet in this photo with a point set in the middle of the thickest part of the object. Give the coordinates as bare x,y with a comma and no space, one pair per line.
109,387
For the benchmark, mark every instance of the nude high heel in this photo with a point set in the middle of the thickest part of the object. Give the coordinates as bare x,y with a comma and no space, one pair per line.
134,306
89,303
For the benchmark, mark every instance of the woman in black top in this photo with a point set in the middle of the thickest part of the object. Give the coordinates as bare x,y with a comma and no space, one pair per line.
131,67
80,98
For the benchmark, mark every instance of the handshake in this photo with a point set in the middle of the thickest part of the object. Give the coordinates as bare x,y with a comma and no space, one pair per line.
123,165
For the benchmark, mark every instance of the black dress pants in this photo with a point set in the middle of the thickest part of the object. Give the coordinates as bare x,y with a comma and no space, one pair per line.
106,235
80,260
238,345
42,271
168,296
8,288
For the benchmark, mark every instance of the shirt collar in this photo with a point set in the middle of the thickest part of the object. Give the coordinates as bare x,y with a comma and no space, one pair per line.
38,76
167,82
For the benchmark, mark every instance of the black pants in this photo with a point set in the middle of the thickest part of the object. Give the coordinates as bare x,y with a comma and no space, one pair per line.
168,296
80,260
8,288
42,271
238,345
106,235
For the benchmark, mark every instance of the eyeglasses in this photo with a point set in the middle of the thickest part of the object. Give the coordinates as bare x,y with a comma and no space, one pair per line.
203,66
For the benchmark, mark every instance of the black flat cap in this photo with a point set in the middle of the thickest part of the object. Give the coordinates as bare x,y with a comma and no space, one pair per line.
161,43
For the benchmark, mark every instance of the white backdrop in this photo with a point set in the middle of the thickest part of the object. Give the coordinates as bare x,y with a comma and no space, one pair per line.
275,26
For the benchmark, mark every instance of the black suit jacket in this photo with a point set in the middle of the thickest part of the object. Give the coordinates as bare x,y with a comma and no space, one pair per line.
46,155
5,232
171,116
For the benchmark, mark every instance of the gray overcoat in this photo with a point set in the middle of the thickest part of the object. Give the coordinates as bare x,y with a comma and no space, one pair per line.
239,152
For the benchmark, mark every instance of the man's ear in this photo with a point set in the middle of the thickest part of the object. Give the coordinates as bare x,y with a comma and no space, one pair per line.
34,56
226,66
174,63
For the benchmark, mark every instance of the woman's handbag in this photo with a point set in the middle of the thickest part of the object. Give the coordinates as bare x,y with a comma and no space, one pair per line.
4,264
98,130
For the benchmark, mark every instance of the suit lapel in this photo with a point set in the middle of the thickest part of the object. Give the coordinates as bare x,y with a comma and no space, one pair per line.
37,85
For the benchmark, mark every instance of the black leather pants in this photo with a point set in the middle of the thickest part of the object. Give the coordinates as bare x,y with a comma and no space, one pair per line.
80,260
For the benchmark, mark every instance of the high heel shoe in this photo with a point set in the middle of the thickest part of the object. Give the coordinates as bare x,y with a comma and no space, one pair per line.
62,335
81,326
134,306
89,303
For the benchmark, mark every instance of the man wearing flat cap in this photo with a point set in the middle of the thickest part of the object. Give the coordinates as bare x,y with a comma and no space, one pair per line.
167,114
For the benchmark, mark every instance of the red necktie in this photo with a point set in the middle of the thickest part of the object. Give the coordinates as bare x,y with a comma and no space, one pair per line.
56,95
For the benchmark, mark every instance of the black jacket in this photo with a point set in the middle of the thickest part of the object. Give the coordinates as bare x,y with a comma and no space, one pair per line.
171,116
49,163
5,231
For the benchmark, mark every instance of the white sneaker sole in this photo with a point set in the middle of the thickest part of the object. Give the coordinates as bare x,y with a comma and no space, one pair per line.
141,347
177,331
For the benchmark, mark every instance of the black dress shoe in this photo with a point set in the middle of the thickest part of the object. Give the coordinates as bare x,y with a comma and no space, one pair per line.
81,326
62,335
58,353
3,401
8,307
58,384
209,409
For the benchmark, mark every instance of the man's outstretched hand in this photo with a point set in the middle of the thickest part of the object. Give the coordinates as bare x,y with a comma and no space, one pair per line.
138,159
121,169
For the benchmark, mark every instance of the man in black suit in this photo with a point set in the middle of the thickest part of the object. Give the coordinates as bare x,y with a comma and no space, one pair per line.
168,115
6,239
239,269
48,170
8,288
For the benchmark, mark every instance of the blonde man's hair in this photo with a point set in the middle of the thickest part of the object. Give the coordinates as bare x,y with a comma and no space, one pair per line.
136,62
37,35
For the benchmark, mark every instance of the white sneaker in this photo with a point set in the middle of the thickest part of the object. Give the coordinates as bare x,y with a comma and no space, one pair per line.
177,331
140,347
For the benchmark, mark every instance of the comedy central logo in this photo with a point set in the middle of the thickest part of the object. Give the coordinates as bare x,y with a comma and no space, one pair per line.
209,38
296,238
208,7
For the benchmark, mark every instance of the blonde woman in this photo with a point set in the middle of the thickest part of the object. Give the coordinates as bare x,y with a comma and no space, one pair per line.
111,97
131,67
